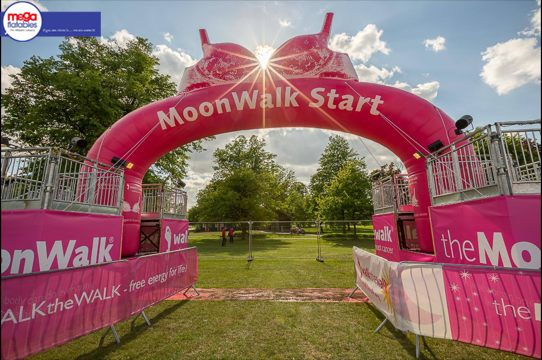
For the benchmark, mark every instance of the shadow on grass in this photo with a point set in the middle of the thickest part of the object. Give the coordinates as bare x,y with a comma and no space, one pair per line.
403,340
135,332
364,242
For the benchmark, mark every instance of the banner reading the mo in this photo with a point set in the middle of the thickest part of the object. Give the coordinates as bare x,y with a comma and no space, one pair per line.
491,307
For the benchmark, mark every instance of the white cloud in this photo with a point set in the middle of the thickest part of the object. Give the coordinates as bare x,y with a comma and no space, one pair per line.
535,23
426,75
194,183
362,45
428,91
120,38
7,71
168,37
285,23
7,3
511,64
373,74
172,62
435,44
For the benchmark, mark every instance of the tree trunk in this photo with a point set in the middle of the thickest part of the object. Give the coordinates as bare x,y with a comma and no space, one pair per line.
243,231
353,217
344,225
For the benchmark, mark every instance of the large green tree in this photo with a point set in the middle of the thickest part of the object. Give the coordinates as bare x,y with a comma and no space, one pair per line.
348,196
248,185
83,91
336,154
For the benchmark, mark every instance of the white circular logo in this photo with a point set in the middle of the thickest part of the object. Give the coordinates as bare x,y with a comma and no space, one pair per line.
22,21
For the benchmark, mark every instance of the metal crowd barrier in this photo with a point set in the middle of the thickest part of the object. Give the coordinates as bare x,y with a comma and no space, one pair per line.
56,179
259,243
392,194
164,202
115,277
499,159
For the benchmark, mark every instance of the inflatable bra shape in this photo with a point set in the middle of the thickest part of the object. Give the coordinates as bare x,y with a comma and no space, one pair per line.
301,56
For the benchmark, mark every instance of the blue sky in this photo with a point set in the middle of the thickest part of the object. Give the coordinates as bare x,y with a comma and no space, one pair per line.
436,49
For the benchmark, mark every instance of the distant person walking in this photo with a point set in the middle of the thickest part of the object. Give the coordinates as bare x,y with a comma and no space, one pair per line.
231,235
224,236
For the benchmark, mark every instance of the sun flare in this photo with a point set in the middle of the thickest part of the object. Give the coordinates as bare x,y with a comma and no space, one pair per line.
263,53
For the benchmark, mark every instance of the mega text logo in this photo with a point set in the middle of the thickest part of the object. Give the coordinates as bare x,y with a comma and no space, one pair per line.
22,21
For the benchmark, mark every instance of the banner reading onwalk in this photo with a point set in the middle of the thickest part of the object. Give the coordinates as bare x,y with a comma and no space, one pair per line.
43,310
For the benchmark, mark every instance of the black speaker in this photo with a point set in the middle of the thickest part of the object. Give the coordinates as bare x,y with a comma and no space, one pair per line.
435,146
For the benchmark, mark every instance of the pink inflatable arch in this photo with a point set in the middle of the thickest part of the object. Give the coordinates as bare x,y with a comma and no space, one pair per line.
304,85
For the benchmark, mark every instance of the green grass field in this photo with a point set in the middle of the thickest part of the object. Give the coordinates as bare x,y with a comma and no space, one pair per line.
263,329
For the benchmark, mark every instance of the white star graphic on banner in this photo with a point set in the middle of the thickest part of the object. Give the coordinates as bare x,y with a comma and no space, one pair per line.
475,294
468,299
465,275
464,318
454,287
458,298
493,278
519,329
521,272
476,309
485,324
525,348
478,341
490,291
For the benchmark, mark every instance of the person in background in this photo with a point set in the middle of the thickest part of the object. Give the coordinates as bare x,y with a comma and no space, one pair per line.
231,235
224,236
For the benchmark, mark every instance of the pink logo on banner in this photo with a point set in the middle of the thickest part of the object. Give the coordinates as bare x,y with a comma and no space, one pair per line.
41,240
174,235
385,233
498,309
501,231
43,310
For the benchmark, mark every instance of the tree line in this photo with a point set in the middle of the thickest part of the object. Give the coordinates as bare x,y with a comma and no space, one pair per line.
248,184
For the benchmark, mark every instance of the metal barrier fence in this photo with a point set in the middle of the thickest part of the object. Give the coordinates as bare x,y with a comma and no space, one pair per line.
151,201
167,202
487,163
56,179
383,196
175,203
521,150
281,239
392,194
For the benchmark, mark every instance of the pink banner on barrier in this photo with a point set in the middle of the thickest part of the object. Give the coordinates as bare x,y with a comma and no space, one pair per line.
499,309
386,240
41,240
485,306
500,231
43,310
174,235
